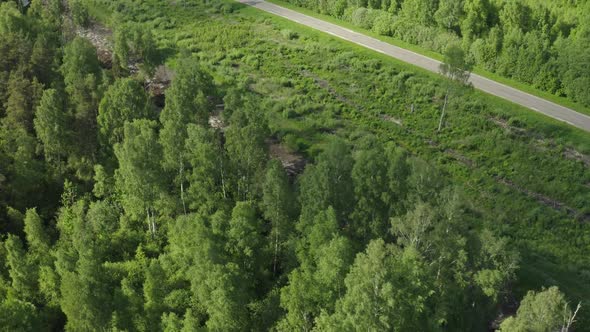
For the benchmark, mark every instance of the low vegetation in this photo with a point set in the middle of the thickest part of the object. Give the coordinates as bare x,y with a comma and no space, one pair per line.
538,43
119,214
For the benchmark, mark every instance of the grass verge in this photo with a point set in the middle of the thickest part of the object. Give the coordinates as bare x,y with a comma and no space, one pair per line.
477,70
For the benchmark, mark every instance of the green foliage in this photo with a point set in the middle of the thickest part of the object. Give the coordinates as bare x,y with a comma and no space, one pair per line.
369,175
246,148
82,78
124,101
37,238
52,126
290,34
139,177
324,256
79,12
542,311
386,289
328,183
278,205
455,65
388,227
207,180
134,43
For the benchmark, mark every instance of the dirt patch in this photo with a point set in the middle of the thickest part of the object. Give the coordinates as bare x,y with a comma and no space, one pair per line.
157,85
293,163
100,37
546,200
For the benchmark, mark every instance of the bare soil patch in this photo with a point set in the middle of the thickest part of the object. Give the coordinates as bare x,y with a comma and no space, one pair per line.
100,37
293,163
157,85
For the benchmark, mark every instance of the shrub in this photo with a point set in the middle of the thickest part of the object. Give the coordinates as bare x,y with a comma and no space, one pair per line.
80,13
289,34
227,8
347,14
382,24
338,7
289,113
361,18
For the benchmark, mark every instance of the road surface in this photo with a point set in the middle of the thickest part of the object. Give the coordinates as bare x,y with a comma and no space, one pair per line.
503,91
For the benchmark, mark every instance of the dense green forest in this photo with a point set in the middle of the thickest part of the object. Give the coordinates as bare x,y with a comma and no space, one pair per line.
283,181
541,43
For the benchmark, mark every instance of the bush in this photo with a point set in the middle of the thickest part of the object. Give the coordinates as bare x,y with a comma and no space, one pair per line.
347,14
289,34
289,113
382,24
227,8
361,18
337,9
80,13
294,144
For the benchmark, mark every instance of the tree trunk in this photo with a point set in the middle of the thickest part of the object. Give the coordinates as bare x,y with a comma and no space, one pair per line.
274,264
180,176
222,178
442,114
149,221
571,319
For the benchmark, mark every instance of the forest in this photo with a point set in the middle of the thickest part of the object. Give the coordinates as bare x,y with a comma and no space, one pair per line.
540,43
195,165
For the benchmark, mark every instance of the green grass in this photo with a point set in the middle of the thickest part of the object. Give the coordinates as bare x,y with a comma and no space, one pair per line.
417,49
572,136
99,11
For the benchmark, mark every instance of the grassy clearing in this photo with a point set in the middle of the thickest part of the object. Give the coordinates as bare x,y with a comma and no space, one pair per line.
314,86
477,70
99,11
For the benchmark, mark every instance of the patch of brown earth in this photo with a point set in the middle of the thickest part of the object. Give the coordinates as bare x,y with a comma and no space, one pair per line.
157,85
293,163
100,37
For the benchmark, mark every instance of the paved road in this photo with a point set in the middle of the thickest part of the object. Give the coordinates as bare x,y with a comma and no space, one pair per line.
503,91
